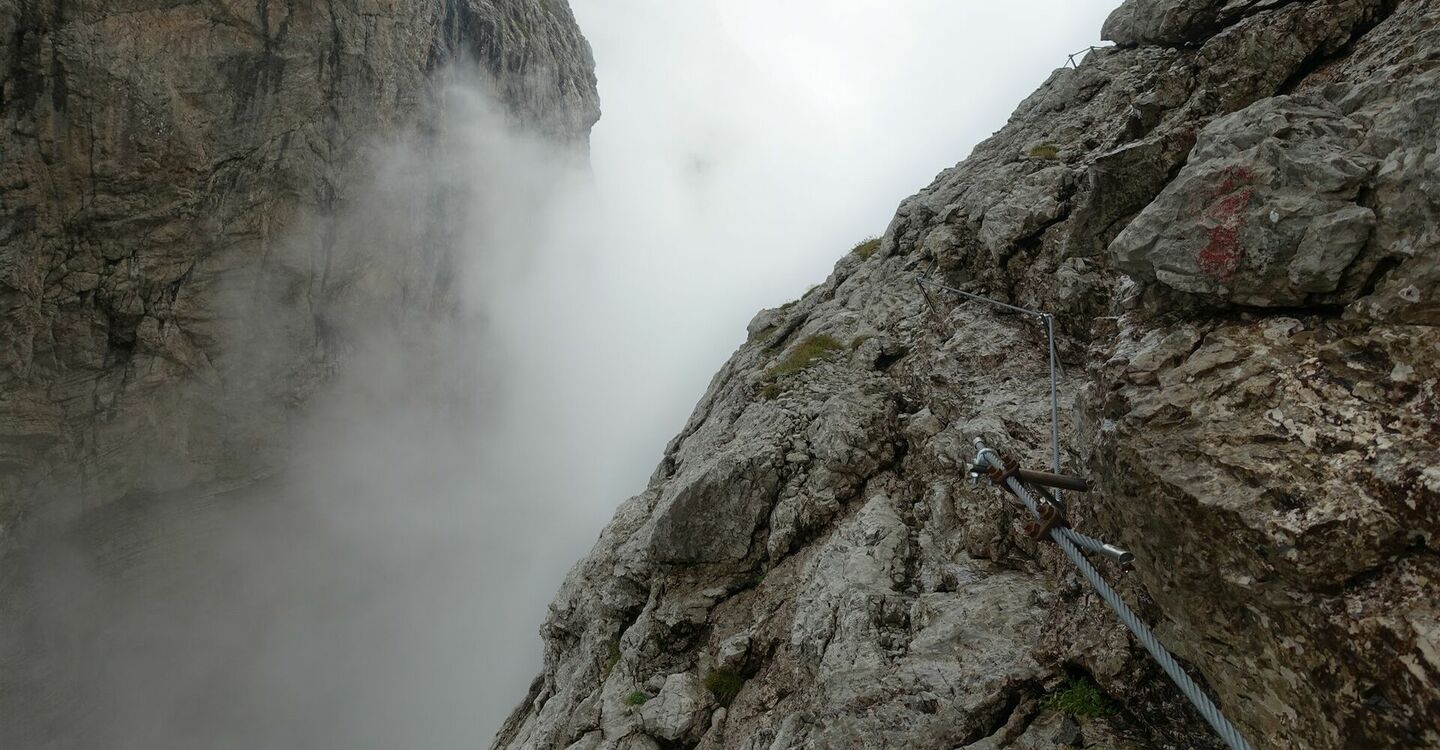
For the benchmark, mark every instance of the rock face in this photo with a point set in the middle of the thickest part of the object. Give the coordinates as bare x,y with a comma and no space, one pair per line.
1232,216
171,179
1272,188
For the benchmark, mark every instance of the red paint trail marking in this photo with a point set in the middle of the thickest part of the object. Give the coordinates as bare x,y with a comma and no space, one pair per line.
1221,256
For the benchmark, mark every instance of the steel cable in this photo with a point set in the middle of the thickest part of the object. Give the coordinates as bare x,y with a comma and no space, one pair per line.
1068,540
1207,708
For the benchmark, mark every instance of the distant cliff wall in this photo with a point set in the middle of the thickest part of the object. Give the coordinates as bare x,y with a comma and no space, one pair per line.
175,276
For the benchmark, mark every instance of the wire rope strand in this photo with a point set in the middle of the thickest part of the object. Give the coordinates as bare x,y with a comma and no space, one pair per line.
1197,697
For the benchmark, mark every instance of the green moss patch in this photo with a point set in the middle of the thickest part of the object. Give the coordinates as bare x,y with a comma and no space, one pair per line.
636,698
1079,696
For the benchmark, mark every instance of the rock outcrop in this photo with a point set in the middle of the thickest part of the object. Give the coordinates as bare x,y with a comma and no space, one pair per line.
1232,215
173,178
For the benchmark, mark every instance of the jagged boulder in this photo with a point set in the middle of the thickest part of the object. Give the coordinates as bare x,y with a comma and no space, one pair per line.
680,711
1265,211
1177,22
710,512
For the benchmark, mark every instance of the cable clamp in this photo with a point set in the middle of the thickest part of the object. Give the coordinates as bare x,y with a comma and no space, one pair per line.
1051,517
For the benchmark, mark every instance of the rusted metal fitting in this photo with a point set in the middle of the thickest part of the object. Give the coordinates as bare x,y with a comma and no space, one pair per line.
1057,481
999,475
1051,517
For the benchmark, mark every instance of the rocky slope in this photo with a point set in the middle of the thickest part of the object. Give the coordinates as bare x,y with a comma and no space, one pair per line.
190,236
1233,215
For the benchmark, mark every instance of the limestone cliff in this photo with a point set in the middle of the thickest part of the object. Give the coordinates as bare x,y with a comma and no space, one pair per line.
1233,215
172,182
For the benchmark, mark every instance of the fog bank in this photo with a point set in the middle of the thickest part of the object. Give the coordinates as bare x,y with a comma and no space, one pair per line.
386,592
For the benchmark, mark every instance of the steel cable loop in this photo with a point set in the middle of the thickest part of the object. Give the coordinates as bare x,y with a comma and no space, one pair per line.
1207,708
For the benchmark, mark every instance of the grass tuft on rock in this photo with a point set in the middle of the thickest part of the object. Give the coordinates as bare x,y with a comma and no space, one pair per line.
866,248
612,657
809,352
1079,696
1044,151
724,685
636,698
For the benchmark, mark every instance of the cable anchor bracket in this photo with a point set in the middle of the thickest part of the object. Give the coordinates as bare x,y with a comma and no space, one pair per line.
1051,513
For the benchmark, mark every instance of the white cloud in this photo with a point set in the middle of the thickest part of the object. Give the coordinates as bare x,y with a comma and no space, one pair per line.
746,145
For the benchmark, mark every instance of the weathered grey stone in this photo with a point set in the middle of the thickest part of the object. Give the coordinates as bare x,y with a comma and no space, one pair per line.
1050,730
1176,22
717,720
709,513
1329,532
591,741
680,711
1067,734
1264,213
732,653
1122,123
636,742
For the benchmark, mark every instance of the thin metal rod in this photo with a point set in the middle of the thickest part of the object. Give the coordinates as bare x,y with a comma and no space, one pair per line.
935,311
978,298
1050,337
1054,401
1073,55
1158,652
1046,479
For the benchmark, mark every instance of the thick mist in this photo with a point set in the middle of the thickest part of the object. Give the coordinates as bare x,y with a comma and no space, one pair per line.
387,590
